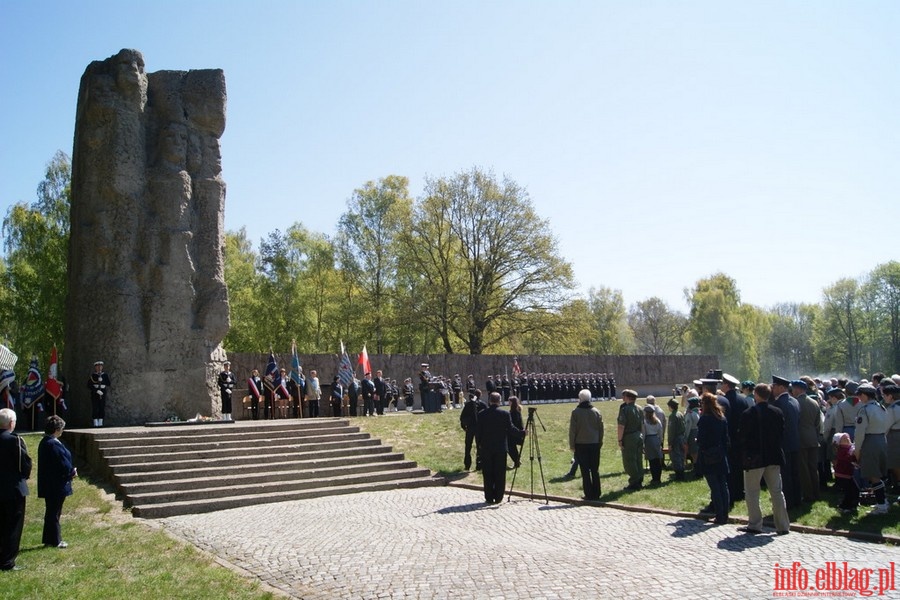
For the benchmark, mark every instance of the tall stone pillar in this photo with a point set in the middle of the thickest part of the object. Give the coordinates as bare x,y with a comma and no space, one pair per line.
146,253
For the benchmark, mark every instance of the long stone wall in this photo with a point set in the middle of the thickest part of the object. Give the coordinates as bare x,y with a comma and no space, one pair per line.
646,374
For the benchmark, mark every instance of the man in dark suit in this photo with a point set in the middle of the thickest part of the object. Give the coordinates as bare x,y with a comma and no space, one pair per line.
790,443
760,432
15,468
492,431
468,420
737,404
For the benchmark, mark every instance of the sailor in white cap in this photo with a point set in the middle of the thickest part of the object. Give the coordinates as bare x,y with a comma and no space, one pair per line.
99,384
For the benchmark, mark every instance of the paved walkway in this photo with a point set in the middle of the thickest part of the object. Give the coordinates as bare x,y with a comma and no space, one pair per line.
446,543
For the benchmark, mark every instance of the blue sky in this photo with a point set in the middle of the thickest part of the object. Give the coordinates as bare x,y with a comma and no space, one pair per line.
664,141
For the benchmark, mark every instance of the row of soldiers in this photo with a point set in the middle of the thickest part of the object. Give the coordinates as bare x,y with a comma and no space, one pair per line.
542,387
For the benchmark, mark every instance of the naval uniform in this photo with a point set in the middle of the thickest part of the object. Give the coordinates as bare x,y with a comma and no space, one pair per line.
227,382
99,385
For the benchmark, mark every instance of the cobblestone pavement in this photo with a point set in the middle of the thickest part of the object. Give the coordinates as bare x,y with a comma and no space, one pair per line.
445,542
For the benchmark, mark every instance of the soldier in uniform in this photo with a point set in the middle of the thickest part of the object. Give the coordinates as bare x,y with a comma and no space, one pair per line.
505,387
790,408
226,382
408,393
456,386
352,396
337,397
470,386
630,442
367,389
424,383
871,444
677,443
99,385
489,385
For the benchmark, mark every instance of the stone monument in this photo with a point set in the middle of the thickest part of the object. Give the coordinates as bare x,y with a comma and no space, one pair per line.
146,255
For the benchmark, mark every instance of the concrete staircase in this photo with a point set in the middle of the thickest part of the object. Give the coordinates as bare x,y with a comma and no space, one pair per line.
173,470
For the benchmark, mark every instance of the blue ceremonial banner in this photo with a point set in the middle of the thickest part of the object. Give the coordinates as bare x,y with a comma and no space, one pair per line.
271,372
295,364
345,370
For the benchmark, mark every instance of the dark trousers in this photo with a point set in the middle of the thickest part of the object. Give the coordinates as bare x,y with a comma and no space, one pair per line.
850,501
718,487
370,407
790,479
98,407
12,520
336,407
467,458
735,477
379,405
493,471
588,457
52,535
254,407
313,407
352,406
515,451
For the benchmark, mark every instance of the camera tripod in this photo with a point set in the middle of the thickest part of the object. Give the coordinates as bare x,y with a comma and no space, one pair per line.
534,448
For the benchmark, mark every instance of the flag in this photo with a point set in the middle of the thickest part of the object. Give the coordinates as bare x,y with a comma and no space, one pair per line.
53,387
364,360
295,364
271,372
345,370
54,390
273,379
7,358
7,377
33,387
517,370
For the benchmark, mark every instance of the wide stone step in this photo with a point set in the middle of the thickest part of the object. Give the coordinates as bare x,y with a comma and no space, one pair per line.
252,477
235,442
170,509
290,448
367,447
240,489
150,437
208,470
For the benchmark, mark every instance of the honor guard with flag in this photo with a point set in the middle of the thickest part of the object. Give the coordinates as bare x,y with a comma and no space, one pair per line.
54,389
32,392
297,382
99,384
254,390
227,382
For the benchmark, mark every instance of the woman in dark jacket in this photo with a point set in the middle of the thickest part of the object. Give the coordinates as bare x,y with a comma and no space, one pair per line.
712,439
55,473
514,442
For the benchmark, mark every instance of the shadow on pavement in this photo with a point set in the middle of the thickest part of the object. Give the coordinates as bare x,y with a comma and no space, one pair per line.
688,527
745,541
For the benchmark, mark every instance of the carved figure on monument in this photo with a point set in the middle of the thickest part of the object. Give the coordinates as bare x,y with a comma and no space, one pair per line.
146,266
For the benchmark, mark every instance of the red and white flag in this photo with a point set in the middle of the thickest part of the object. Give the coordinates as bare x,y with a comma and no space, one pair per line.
53,387
364,360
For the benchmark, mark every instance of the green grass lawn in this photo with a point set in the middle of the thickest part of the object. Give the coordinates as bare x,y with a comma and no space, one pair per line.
436,441
111,555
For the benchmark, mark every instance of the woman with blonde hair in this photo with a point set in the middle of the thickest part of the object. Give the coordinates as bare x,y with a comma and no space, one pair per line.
712,440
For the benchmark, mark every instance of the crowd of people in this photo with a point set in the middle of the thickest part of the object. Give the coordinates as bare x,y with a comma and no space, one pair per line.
798,436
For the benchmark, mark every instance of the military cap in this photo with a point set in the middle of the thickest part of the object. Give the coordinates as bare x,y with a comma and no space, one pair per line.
99,362
798,383
776,380
851,388
731,379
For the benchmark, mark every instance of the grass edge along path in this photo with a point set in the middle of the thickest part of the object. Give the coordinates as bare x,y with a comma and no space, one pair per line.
436,441
113,555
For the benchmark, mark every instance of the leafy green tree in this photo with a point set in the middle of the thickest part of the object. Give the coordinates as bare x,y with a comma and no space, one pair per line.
613,336
245,299
36,240
718,324
884,285
792,338
838,332
657,329
366,236
503,262
567,331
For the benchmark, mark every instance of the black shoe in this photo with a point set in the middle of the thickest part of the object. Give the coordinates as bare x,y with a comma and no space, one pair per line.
749,531
708,509
782,532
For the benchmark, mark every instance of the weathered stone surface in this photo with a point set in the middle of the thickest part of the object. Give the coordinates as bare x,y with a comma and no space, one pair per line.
146,270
